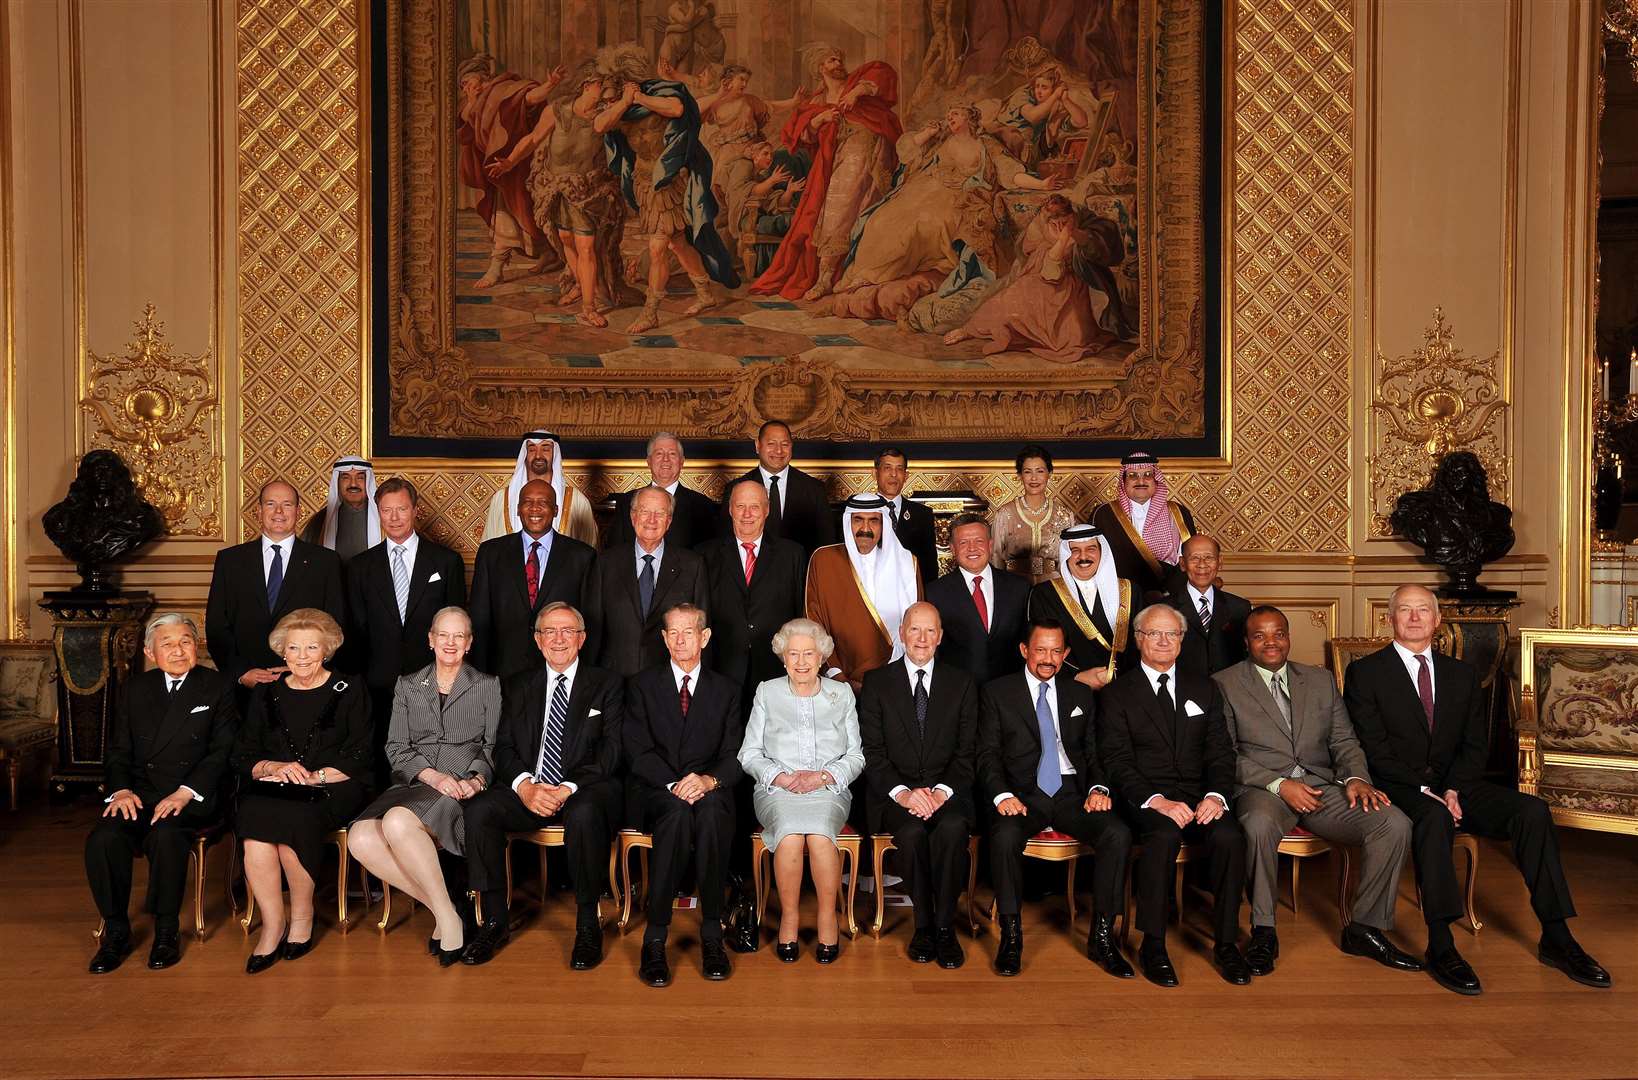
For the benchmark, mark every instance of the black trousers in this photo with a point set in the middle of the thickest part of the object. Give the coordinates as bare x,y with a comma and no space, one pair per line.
1103,829
932,857
1493,811
381,717
585,818
683,834
1225,848
111,849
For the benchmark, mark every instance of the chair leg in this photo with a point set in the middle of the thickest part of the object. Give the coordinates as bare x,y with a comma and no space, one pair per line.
1069,890
623,891
879,850
544,882
972,885
1344,872
1296,877
102,924
232,843
848,855
341,883
507,859
386,906
758,882
1473,922
199,890
1177,893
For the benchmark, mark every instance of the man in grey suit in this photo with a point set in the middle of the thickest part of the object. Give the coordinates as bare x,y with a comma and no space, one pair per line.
1299,763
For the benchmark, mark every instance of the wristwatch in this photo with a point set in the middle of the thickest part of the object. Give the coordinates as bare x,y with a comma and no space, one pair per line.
321,775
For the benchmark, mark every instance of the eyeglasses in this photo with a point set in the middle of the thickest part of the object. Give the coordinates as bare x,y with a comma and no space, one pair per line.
1162,635
558,631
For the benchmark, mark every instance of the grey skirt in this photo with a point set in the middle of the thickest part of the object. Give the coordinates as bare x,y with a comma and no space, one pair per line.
444,817
782,814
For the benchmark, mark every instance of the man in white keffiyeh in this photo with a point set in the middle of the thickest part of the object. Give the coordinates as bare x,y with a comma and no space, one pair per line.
540,457
1094,604
348,523
858,590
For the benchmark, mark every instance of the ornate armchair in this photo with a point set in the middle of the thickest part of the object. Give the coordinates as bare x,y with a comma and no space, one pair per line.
28,709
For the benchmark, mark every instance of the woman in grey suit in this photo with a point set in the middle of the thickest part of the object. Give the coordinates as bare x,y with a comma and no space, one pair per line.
439,744
802,750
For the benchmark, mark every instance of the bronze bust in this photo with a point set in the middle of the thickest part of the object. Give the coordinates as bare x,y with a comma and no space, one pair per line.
1456,523
101,520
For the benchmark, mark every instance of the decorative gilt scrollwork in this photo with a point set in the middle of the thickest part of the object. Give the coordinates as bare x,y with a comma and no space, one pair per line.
812,394
1621,23
157,409
1428,403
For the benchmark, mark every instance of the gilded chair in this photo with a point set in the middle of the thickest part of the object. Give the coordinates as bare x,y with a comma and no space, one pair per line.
343,920
850,845
882,843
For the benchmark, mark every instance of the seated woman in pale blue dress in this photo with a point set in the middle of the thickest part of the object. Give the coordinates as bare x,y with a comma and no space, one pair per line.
802,750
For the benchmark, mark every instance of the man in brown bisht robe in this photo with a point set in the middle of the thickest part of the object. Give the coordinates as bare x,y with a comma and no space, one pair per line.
858,590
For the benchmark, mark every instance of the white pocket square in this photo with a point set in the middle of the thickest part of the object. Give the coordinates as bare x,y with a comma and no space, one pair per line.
595,712
1076,711
199,708
1191,709
435,577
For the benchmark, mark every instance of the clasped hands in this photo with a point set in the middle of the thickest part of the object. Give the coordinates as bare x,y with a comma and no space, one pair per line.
923,802
693,787
125,803
803,780
445,784
544,800
1182,814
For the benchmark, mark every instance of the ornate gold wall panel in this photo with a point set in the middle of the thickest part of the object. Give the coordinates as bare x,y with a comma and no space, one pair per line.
301,261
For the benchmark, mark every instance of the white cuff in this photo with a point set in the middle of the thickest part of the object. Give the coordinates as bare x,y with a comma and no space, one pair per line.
196,796
574,787
1273,786
1219,798
671,785
949,792
1003,797
1100,787
1144,805
522,776
894,794
1351,779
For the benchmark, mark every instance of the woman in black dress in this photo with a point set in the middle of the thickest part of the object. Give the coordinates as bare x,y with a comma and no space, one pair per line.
305,737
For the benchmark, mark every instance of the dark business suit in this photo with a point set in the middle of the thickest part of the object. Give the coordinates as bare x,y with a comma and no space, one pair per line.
899,751
1206,652
695,518
160,742
1179,753
1010,750
382,646
661,747
1085,654
1404,757
983,654
804,513
745,617
913,523
589,756
237,619
503,620
624,638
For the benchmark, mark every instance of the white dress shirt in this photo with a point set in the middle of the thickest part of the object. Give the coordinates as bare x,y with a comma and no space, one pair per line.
1139,516
566,676
411,544
784,481
658,554
910,670
285,547
1171,692
1064,766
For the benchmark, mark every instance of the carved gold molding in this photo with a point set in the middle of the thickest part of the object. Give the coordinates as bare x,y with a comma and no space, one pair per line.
158,411
1429,402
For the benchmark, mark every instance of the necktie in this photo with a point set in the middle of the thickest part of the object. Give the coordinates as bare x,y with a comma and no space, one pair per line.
174,684
1424,687
921,702
1205,614
1164,696
684,698
978,602
645,584
531,571
750,560
400,581
776,507
550,769
1048,777
1282,699
275,578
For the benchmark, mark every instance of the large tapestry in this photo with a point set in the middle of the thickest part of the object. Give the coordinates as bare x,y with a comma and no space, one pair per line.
951,224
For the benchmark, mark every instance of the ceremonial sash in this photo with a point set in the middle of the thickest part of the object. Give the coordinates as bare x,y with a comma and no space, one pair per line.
1083,619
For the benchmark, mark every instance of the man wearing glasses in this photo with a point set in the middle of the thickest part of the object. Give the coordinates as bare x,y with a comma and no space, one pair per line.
1216,619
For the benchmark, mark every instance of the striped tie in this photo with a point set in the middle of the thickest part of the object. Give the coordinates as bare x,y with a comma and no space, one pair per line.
400,582
550,770
1205,614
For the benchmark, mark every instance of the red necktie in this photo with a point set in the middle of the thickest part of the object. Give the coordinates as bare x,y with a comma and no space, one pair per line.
978,602
684,697
1424,687
531,571
750,561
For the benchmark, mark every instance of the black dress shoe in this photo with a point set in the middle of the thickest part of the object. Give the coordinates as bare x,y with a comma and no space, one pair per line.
111,953
166,951
950,954
1263,950
923,948
588,948
788,951
1157,965
1009,955
1361,940
1450,971
654,970
1231,964
491,937
827,954
1104,950
295,950
714,957
260,962
1574,962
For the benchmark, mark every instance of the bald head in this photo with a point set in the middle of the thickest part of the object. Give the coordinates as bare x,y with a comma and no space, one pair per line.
921,630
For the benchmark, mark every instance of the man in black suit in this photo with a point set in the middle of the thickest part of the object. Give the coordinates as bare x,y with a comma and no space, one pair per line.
167,758
982,607
1169,756
393,591
912,521
1039,765
633,586
556,753
682,733
756,583
694,517
255,584
919,729
797,507
516,575
1216,619
1421,719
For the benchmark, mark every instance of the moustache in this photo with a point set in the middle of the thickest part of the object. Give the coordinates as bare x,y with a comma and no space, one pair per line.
864,534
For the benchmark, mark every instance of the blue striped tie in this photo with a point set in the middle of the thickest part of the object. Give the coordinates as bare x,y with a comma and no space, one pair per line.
550,770
400,582
1048,776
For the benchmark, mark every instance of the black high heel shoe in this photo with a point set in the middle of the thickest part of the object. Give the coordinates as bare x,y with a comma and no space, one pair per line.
295,950
432,947
260,962
827,954
788,951
446,957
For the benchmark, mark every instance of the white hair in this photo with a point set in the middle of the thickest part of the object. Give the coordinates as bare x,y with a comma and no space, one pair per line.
656,437
804,628
454,609
169,618
1143,617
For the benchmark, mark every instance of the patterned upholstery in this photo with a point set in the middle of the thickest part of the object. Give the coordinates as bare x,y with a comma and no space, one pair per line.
28,707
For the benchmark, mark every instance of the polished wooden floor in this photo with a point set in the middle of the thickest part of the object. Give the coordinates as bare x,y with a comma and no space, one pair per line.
375,1005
